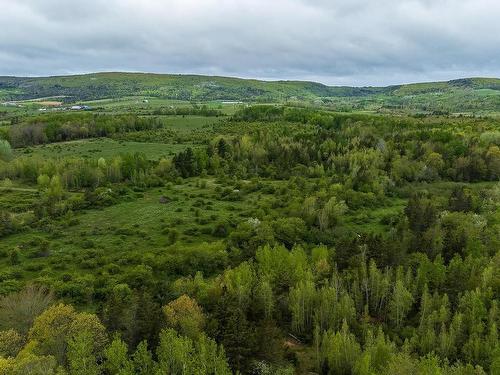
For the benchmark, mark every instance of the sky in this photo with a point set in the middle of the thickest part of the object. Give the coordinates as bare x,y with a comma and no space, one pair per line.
336,42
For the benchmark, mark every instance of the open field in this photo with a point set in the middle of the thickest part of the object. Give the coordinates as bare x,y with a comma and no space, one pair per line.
106,148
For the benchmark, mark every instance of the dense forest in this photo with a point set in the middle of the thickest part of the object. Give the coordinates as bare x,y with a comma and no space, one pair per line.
276,240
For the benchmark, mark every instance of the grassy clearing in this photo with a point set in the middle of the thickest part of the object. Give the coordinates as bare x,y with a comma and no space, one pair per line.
129,233
17,200
186,124
102,147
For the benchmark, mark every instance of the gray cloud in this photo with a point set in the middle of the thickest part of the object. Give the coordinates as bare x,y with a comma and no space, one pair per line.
355,42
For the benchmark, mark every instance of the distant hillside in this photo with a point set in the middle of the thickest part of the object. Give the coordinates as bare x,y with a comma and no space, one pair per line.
462,95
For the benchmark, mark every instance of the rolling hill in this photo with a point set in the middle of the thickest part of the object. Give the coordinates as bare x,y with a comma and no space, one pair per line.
461,95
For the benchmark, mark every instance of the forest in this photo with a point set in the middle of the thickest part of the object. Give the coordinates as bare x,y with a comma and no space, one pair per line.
250,239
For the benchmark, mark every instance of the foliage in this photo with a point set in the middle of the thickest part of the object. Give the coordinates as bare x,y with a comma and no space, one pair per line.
279,239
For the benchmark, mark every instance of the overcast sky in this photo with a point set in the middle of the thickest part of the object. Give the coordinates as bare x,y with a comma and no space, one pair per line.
353,42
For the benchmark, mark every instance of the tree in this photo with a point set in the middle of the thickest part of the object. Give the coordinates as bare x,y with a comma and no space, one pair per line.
81,357
147,319
434,162
175,353
380,351
19,310
265,298
185,163
28,363
14,256
400,303
331,213
43,181
5,150
234,332
59,324
180,355
302,303
119,312
10,343
51,331
422,216
289,230
239,283
339,351
223,148
7,225
54,191
143,360
460,199
185,316
116,358
101,163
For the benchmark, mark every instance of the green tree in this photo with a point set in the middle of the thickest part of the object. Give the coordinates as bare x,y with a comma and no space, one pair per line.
339,351
302,301
117,361
59,324
400,303
175,353
5,150
331,213
119,312
11,343
143,360
18,310
185,316
80,355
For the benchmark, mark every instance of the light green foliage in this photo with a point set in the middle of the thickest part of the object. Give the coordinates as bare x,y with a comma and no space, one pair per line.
185,315
143,360
59,324
81,356
339,351
302,301
239,283
117,361
400,303
180,355
5,150
10,343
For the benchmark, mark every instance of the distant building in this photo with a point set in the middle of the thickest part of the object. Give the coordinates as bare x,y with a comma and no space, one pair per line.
79,107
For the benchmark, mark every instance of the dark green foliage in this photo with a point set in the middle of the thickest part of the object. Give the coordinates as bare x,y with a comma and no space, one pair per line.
65,127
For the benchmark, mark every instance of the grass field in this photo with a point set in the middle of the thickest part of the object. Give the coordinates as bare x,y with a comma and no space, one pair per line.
177,133
142,103
139,222
102,147
186,124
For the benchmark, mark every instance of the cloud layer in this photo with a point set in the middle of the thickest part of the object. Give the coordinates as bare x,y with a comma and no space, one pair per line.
354,42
